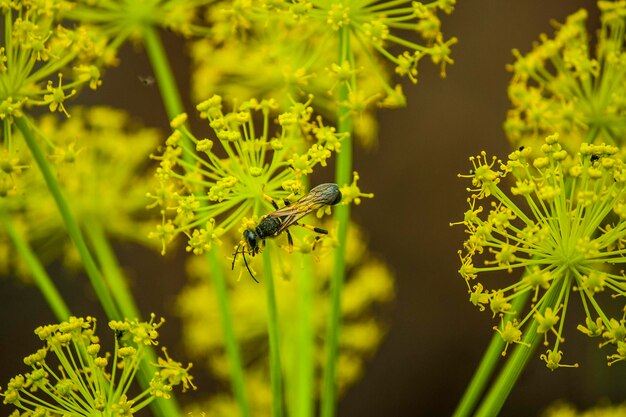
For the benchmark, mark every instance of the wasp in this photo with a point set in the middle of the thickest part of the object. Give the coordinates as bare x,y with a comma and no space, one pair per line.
279,221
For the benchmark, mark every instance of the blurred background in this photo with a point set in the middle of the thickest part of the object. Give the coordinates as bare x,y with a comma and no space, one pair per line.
435,336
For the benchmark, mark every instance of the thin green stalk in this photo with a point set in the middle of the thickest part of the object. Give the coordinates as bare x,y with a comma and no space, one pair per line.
230,342
111,269
272,331
163,73
343,173
98,284
305,368
487,365
41,277
502,386
174,107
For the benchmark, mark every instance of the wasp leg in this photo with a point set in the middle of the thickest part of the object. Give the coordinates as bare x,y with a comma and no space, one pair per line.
232,267
313,228
317,239
317,230
271,201
286,200
289,241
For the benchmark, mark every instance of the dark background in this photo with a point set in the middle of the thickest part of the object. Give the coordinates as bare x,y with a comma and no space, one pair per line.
436,337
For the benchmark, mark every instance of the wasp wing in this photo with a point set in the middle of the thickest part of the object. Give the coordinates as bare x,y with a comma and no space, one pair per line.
319,196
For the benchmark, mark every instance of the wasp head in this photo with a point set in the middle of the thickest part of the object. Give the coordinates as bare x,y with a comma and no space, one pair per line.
252,240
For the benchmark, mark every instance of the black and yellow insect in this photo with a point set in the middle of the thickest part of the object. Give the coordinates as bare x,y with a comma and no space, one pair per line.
279,221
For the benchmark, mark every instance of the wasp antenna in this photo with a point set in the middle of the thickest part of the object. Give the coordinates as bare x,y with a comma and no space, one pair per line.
245,261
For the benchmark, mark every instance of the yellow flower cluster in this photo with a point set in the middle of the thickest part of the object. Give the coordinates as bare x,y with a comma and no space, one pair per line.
561,227
100,157
285,50
71,375
566,85
44,60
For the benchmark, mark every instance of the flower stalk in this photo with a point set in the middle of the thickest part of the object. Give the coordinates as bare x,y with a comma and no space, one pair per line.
230,341
98,283
343,172
486,368
276,372
174,107
305,366
42,279
504,383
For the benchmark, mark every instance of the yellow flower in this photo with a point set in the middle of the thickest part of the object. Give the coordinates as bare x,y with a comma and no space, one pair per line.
561,409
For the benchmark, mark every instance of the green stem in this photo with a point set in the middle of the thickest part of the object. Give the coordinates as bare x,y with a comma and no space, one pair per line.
71,225
487,365
230,341
163,72
304,366
174,107
502,386
111,269
343,172
41,277
272,330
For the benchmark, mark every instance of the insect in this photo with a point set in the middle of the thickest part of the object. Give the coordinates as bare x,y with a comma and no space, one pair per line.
147,80
279,221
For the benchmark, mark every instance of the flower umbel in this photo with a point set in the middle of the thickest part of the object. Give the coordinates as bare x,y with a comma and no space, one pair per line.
43,62
562,225
378,25
221,183
290,47
120,20
564,85
104,178
85,381
281,68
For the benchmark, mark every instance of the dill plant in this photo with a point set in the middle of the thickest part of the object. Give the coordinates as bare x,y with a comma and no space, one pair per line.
551,213
53,49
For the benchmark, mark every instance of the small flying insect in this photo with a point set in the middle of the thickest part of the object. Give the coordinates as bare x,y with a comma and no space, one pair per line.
147,80
279,221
